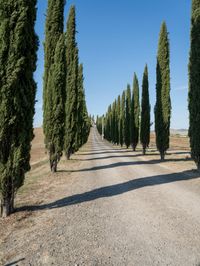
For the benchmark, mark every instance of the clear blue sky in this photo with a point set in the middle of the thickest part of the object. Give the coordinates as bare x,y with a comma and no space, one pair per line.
116,38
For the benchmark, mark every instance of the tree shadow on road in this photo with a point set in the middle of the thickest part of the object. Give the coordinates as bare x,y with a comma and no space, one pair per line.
114,190
138,155
103,151
14,262
124,164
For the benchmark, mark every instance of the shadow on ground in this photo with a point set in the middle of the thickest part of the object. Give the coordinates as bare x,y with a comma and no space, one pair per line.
139,155
123,164
114,190
14,263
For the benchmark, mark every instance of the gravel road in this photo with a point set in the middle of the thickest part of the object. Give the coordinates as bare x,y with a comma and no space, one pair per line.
115,208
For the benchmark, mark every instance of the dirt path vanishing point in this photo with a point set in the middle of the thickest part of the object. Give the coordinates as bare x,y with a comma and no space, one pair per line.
112,207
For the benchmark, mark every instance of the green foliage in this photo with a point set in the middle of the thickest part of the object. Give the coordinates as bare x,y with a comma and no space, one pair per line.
53,31
122,118
18,46
163,103
135,113
83,125
56,101
118,120
128,117
108,124
194,83
115,123
71,85
99,124
145,112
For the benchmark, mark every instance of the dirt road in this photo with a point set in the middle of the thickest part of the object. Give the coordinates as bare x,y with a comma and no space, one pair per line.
112,207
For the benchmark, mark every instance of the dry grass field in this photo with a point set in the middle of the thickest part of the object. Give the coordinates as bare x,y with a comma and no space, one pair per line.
38,153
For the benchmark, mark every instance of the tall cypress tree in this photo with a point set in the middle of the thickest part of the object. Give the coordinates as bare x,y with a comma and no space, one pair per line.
128,117
135,113
118,120
163,102
83,125
80,116
122,118
71,84
18,46
53,30
115,121
145,112
56,100
194,84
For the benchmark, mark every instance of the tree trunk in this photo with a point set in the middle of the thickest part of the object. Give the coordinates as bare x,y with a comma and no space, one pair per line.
162,155
144,150
54,166
7,206
198,166
68,155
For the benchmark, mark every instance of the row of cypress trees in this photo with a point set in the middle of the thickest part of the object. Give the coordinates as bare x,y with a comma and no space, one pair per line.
125,123
121,124
163,102
66,122
65,118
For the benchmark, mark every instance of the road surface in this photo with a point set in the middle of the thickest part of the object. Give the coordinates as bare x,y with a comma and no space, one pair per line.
114,208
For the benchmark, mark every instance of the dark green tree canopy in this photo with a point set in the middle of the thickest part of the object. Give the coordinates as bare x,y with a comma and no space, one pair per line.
135,113
145,112
18,46
53,31
127,139
83,125
163,102
194,84
71,84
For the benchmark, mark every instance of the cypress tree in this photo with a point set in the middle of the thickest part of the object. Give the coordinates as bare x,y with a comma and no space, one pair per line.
163,103
56,100
194,84
18,46
80,96
112,122
109,123
71,84
115,122
135,113
53,31
99,123
118,120
128,117
82,114
145,112
122,119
